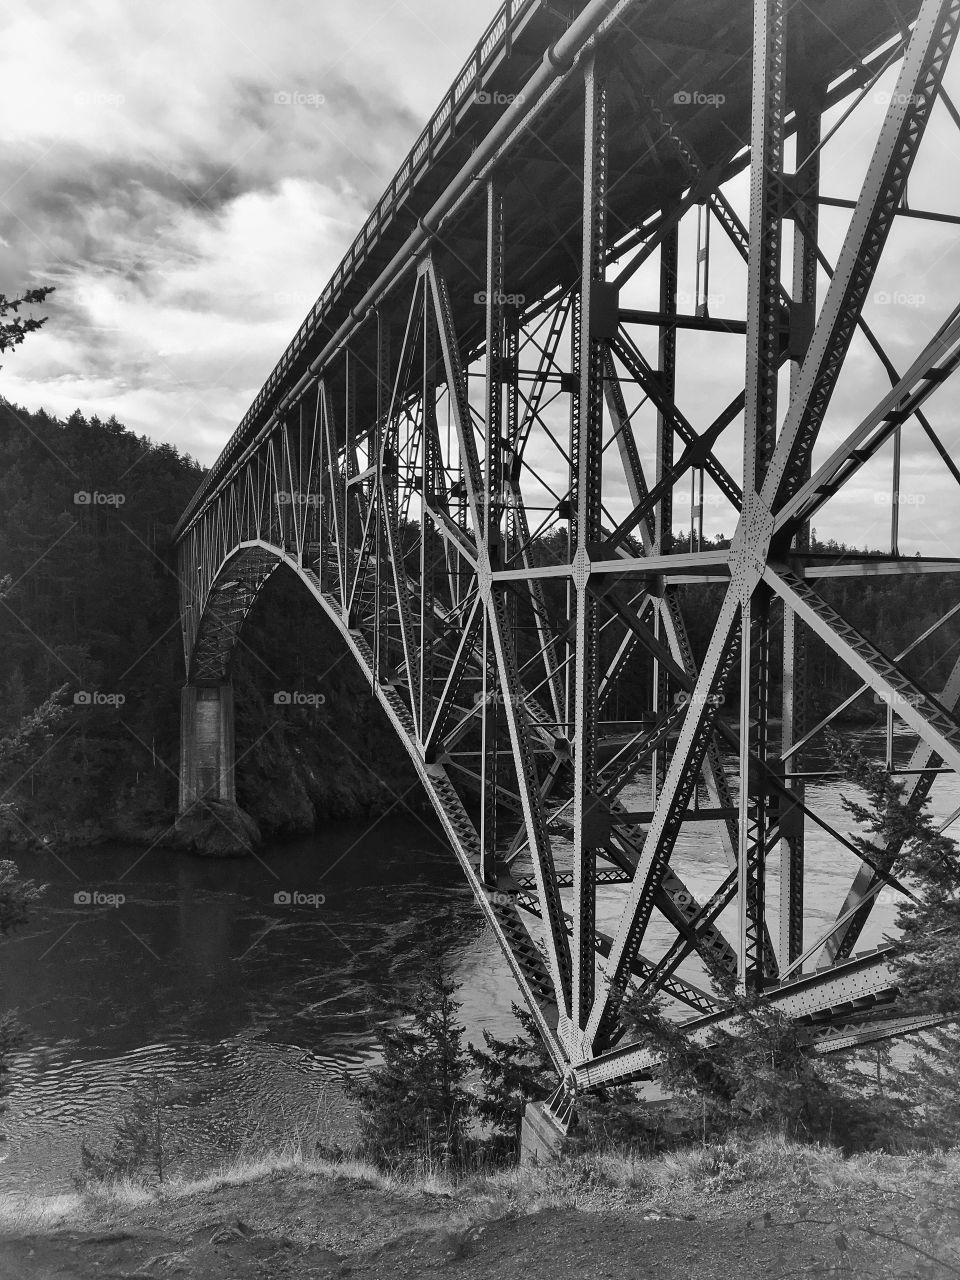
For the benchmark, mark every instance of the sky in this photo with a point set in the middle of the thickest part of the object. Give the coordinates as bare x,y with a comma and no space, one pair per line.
189,175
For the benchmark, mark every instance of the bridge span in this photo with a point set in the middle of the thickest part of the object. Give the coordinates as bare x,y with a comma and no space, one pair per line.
479,455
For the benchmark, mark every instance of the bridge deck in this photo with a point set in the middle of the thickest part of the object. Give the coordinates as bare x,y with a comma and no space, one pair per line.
508,585
698,48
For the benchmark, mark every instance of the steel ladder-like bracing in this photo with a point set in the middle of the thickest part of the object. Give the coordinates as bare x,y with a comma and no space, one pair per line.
476,452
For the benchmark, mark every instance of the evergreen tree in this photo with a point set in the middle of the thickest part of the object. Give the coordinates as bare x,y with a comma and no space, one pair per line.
752,1073
15,327
416,1104
903,837
512,1073
930,1087
140,1144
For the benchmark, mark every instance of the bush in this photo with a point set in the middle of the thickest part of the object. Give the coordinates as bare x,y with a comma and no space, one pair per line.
416,1105
754,1073
512,1073
903,838
139,1145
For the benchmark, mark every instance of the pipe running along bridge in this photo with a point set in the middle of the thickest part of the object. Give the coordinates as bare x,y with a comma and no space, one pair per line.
474,455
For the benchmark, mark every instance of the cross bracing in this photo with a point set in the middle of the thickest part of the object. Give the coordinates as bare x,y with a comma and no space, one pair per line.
481,449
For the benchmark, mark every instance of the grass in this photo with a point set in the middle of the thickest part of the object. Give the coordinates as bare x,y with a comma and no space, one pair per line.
32,1212
665,1181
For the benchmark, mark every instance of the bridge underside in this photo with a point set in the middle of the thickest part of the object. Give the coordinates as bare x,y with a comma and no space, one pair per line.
473,456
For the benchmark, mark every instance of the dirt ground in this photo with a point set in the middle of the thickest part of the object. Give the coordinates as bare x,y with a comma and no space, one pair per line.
308,1227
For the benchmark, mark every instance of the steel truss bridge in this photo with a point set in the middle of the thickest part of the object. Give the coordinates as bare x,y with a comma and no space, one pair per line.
474,455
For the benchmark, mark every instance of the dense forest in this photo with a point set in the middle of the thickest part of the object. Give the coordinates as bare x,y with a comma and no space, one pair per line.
88,613
891,610
88,616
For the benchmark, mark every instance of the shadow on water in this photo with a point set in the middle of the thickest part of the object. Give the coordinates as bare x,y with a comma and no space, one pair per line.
250,984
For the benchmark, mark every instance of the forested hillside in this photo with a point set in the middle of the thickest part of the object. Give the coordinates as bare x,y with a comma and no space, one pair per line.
89,612
891,610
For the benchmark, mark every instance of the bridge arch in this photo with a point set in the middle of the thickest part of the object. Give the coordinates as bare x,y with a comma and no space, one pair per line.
472,452
207,743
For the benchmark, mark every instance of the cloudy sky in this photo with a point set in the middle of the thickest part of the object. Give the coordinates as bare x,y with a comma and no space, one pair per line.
188,218
154,168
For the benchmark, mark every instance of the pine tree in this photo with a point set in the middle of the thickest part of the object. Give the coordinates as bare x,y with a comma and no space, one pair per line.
512,1073
752,1073
930,1087
139,1144
416,1105
14,327
926,956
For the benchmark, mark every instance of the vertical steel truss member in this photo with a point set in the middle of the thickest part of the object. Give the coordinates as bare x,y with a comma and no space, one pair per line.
760,431
585,480
806,215
663,521
450,458
493,487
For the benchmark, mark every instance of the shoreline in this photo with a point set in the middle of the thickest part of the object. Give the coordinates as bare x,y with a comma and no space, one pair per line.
143,829
755,1209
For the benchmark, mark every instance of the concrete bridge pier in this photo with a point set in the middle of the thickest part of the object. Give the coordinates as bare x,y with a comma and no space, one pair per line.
206,745
541,1135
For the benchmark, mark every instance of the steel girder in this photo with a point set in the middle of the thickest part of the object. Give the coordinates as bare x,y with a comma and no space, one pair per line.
457,475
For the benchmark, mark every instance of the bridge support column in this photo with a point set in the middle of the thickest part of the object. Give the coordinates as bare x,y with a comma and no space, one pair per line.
206,745
541,1137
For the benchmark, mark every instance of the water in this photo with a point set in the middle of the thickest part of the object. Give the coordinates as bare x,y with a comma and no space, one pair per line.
251,1007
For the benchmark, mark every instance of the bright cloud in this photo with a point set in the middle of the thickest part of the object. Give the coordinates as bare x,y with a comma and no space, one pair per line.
189,176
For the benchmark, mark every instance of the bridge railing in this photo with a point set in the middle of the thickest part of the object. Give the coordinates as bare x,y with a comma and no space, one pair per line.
496,40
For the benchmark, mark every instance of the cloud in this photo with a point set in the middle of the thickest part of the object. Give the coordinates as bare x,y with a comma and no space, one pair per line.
191,319
189,176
